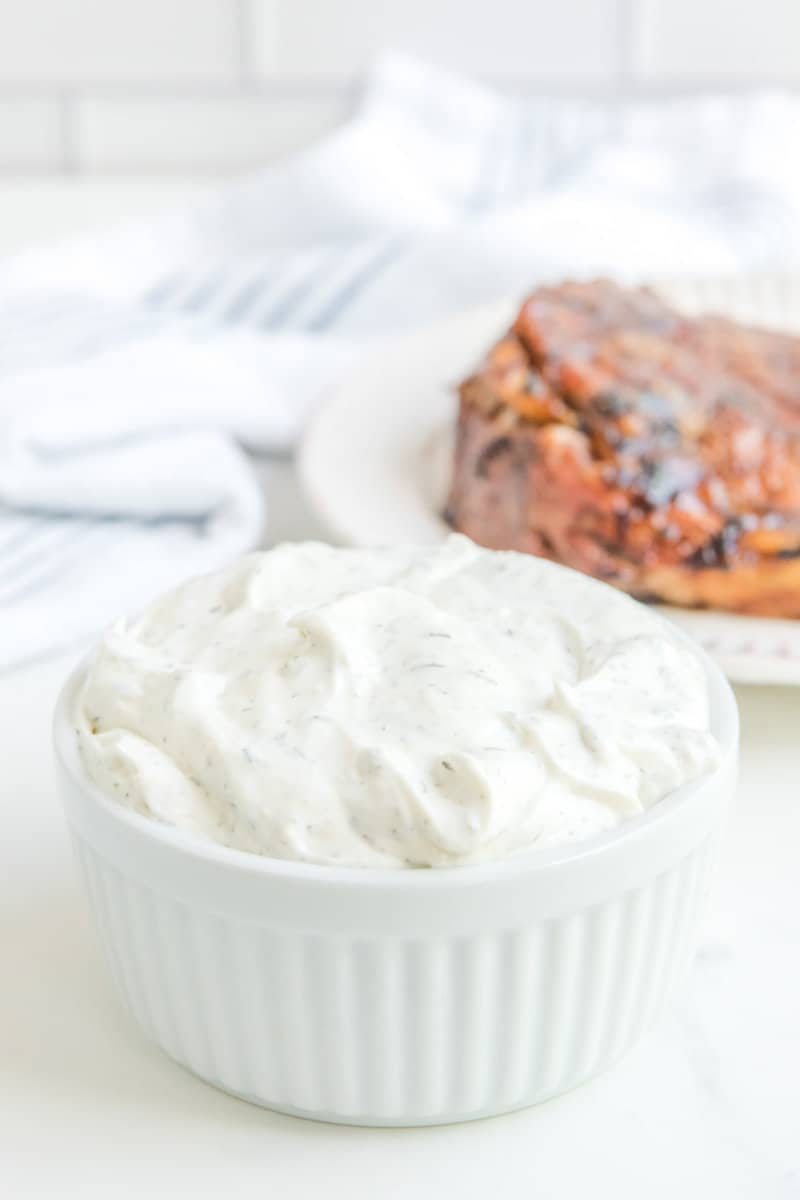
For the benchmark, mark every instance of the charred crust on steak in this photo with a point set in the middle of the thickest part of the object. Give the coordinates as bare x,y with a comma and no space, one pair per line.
610,432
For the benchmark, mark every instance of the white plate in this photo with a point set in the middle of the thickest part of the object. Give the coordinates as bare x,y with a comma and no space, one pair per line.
375,460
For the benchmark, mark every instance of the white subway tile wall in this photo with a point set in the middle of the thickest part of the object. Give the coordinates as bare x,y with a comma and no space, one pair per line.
190,133
31,130
118,41
718,40
201,86
513,40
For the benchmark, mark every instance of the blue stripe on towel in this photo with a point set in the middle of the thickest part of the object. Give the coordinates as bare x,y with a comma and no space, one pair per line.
364,275
74,547
49,538
279,316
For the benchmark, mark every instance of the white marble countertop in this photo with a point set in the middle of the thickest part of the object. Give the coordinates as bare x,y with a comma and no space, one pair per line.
707,1106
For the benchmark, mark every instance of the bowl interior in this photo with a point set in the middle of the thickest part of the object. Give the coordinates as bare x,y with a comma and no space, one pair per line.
724,724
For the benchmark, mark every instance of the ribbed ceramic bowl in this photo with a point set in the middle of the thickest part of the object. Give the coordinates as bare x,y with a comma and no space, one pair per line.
394,997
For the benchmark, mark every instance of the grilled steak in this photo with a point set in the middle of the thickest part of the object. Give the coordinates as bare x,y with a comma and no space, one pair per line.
659,453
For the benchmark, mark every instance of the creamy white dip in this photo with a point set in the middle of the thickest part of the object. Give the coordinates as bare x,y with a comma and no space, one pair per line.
401,707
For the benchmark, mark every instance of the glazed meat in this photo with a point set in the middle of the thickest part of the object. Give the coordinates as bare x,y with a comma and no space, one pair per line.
659,453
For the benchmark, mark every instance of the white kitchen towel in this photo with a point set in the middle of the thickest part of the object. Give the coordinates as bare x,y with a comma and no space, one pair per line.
134,365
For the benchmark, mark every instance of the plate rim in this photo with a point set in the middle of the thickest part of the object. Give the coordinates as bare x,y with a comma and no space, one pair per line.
745,667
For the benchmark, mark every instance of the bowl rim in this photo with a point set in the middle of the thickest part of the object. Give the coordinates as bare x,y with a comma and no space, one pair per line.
724,724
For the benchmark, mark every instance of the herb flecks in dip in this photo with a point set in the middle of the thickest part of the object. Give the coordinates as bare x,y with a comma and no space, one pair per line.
402,707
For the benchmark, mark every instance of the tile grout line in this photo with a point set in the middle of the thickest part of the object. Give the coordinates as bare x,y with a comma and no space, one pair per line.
636,16
258,88
299,89
70,157
243,17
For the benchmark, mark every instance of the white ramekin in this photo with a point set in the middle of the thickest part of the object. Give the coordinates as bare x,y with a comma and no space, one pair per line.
383,997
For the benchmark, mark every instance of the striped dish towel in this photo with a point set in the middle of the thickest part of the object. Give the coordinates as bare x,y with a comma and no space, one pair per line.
136,365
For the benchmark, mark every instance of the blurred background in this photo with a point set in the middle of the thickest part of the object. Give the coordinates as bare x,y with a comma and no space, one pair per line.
136,96
209,207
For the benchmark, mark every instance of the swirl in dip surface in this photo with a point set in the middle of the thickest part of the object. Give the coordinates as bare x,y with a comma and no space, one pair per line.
400,707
